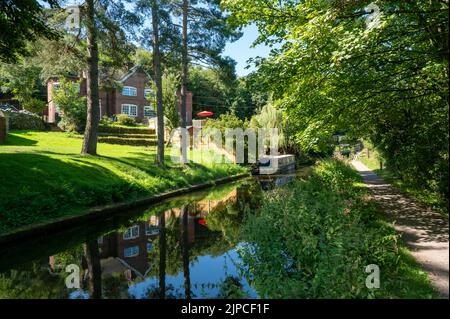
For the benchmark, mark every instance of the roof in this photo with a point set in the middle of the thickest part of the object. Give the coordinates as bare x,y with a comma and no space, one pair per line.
132,71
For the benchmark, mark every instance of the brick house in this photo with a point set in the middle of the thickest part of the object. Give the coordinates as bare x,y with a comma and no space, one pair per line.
130,99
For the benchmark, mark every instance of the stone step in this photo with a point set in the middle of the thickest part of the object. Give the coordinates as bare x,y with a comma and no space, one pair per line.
127,135
125,130
127,141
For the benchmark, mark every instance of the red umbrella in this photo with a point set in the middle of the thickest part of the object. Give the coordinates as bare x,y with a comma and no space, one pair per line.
205,113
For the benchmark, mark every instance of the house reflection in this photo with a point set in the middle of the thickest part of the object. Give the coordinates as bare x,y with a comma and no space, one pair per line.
128,251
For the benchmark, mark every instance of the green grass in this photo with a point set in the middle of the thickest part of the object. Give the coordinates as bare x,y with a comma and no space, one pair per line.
422,195
44,176
314,238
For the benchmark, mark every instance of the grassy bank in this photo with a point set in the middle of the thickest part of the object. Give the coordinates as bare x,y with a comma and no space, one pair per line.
372,160
314,239
44,177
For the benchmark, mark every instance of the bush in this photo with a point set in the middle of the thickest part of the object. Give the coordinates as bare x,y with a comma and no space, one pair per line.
24,120
34,105
314,238
124,119
72,105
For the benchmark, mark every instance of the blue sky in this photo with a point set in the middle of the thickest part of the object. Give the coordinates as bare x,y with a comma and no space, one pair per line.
241,50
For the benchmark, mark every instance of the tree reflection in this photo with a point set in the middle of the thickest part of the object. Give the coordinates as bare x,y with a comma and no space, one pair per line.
92,256
185,248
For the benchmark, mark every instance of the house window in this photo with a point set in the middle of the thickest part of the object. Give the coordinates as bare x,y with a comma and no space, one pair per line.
129,91
129,109
131,233
149,111
151,230
149,94
131,251
55,86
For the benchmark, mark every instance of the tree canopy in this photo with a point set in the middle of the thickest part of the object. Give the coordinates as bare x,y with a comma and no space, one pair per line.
343,67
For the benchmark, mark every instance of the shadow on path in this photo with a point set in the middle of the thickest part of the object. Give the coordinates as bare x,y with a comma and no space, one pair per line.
423,230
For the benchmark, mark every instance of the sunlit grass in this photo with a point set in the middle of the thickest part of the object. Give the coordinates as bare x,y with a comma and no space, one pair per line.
44,176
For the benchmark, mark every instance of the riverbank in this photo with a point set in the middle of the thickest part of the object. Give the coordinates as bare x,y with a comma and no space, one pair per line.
372,159
44,178
423,230
315,238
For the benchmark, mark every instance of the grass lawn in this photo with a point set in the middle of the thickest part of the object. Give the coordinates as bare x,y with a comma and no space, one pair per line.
422,195
45,177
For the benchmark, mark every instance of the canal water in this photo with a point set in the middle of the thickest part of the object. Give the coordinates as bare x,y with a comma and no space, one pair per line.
186,247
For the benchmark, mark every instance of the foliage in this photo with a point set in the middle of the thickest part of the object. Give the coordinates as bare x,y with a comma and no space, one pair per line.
20,22
371,157
170,85
124,119
268,117
248,95
23,120
73,106
209,91
227,120
313,239
23,81
386,82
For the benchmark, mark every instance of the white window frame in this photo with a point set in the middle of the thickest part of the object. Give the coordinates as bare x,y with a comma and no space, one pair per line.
130,89
148,91
151,109
151,230
131,251
128,234
126,109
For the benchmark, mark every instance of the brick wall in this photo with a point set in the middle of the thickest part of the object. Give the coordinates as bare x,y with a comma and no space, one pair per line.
111,101
140,81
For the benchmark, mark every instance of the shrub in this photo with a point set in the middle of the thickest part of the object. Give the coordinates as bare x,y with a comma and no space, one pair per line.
124,119
314,238
24,120
34,105
72,105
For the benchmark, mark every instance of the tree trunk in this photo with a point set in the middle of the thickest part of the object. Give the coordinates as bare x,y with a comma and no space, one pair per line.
158,81
162,255
92,254
93,111
184,80
185,246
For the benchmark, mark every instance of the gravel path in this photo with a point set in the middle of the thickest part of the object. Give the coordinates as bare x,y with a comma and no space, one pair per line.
424,231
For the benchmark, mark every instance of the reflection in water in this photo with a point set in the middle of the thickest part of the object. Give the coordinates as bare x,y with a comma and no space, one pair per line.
184,248
162,256
91,252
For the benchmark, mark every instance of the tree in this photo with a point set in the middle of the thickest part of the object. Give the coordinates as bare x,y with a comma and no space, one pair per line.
268,117
21,22
93,110
384,81
170,86
22,79
158,81
184,80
